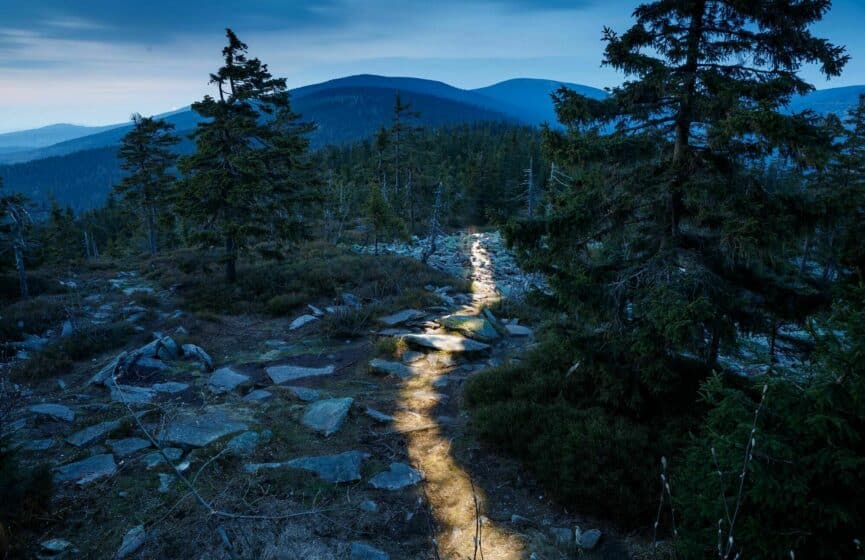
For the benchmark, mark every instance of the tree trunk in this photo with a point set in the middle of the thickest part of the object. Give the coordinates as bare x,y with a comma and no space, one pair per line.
151,230
230,260
22,273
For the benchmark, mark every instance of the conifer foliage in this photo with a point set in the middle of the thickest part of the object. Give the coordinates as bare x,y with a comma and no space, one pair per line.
251,158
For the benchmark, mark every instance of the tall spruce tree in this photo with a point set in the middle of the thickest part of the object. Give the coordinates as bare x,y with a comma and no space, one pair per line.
251,156
147,156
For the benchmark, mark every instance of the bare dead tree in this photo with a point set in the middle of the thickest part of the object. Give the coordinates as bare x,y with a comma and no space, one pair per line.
531,188
19,219
434,226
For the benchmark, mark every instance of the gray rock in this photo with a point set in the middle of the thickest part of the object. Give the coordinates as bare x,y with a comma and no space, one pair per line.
362,551
397,477
197,353
304,393
38,444
327,416
201,429
170,387
562,535
131,394
86,470
55,411
350,300
315,310
378,416
343,467
155,459
164,348
412,356
67,329
390,368
165,481
55,546
401,317
445,342
132,541
589,539
518,330
368,506
301,322
92,434
243,445
127,446
520,521
285,373
258,395
225,380
471,326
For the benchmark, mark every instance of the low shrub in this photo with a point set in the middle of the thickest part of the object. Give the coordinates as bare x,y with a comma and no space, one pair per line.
346,322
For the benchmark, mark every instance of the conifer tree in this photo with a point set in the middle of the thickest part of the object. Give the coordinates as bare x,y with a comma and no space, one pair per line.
15,220
148,158
250,159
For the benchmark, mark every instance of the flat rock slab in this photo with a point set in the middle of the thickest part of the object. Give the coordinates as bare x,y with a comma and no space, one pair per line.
92,434
201,430
301,321
285,373
225,380
343,467
55,411
471,326
258,395
401,317
170,387
445,342
132,541
127,446
363,551
327,416
131,394
518,330
243,445
397,477
304,393
86,470
390,368
378,416
155,459
411,356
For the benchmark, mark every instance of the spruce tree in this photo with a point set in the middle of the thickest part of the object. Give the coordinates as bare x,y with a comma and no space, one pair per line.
148,158
251,156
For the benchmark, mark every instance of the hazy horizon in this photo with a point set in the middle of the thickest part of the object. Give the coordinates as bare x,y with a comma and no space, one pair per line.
95,64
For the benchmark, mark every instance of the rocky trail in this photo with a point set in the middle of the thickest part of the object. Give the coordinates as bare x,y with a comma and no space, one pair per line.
268,441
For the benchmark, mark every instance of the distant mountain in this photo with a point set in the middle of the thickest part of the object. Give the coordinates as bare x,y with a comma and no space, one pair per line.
531,98
824,101
46,136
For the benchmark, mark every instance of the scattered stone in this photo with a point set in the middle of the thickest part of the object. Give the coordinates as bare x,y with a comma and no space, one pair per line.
589,539
86,470
368,506
401,317
131,394
301,321
92,434
390,368
304,393
225,380
362,551
520,521
197,353
258,395
165,481
284,373
562,535
67,329
201,429
243,445
343,467
471,326
170,387
445,342
350,300
518,330
380,417
55,546
441,359
155,459
38,444
315,310
164,348
132,541
327,416
411,356
397,477
127,446
55,411
275,343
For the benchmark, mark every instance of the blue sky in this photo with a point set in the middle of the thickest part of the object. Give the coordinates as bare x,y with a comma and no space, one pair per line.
97,61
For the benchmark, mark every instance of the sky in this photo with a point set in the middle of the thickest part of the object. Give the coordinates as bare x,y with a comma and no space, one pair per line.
95,62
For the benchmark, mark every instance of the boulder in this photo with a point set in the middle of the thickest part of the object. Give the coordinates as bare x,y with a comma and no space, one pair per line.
327,416
55,411
445,342
225,380
589,539
132,541
197,353
285,373
87,470
397,477
390,368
